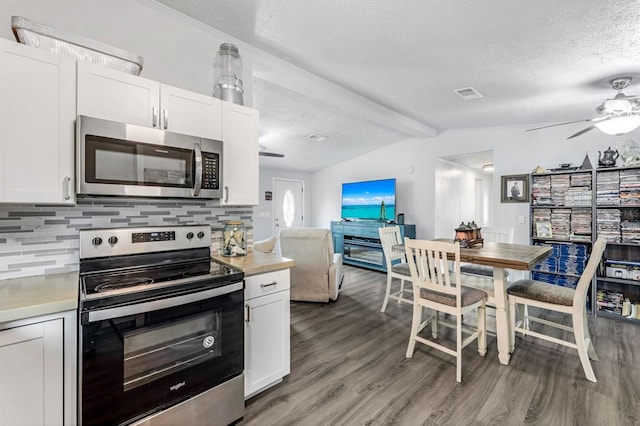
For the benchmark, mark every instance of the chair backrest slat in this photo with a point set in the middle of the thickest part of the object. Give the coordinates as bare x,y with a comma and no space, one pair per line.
428,262
497,235
595,257
390,236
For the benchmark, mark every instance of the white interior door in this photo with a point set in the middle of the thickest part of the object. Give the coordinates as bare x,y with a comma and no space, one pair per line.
288,204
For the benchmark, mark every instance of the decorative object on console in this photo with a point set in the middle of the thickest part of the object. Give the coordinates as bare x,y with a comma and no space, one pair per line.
514,189
234,239
468,235
72,46
228,70
609,158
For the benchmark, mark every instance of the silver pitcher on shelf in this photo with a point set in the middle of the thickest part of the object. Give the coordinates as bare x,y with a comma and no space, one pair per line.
609,158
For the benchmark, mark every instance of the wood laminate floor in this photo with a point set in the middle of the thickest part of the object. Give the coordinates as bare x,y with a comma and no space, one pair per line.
348,367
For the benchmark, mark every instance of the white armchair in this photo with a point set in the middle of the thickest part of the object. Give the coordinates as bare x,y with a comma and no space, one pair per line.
317,274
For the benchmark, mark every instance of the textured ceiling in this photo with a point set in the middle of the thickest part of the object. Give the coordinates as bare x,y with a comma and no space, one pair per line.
534,61
290,117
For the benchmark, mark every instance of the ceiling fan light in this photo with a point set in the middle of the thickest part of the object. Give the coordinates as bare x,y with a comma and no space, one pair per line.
617,105
619,125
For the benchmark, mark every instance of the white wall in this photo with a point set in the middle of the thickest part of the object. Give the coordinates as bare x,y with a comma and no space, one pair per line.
412,162
176,50
263,213
455,197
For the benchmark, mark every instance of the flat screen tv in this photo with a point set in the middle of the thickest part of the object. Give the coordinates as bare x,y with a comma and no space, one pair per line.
370,200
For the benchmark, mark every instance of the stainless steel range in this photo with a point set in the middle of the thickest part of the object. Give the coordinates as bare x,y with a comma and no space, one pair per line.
161,339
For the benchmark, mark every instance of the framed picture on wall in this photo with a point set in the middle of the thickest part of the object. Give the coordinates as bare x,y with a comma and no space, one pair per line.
514,189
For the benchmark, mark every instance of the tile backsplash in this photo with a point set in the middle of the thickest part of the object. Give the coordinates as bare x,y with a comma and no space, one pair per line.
36,239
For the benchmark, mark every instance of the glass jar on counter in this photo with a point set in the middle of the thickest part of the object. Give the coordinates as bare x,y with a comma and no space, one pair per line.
234,239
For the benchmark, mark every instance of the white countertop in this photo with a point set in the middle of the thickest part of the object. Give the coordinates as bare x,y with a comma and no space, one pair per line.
22,298
255,262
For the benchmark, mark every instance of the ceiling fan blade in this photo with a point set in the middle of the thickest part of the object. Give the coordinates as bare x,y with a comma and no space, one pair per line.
558,124
582,132
271,154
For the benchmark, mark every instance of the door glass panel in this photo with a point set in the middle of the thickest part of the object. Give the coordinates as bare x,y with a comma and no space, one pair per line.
114,161
154,352
288,208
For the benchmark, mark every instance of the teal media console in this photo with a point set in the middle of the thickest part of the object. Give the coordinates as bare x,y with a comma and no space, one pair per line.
359,242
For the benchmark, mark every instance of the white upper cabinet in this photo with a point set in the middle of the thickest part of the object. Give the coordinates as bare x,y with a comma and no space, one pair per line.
191,113
37,116
240,155
117,96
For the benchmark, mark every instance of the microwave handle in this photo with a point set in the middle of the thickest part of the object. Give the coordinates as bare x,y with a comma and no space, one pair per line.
197,184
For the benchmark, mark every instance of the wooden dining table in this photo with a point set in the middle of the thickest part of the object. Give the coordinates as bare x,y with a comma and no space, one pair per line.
501,256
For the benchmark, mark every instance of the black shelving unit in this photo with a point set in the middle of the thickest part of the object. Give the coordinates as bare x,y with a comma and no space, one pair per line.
617,218
564,201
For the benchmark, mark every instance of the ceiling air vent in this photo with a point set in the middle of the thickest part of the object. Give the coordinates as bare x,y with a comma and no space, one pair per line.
316,137
468,93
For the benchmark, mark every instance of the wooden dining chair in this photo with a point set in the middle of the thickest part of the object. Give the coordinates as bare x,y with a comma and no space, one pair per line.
489,235
396,263
477,276
436,288
559,299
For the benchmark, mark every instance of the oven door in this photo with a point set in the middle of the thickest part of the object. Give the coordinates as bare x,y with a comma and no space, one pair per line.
144,357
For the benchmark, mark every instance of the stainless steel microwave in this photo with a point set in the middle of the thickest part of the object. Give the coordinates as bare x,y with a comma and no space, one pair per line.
128,160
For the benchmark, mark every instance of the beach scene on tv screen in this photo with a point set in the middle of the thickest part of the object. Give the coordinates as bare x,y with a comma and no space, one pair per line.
369,200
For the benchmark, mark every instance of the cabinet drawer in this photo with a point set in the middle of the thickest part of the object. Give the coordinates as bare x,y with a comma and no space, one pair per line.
267,283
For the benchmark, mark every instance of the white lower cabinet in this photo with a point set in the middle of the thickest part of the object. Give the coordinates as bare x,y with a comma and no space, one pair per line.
38,388
267,344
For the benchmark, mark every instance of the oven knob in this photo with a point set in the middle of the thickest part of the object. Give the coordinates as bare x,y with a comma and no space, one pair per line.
189,235
201,235
113,240
208,342
96,241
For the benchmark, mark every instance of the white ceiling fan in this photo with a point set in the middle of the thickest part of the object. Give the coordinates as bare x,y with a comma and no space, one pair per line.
618,115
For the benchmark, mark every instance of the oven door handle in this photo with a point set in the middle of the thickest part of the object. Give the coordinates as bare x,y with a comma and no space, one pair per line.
155,305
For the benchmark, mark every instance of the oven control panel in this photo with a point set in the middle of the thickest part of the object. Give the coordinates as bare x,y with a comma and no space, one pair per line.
106,242
146,237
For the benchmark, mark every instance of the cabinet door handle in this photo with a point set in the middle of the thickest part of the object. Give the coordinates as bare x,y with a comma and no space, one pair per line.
67,187
165,118
226,194
154,116
271,284
248,316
